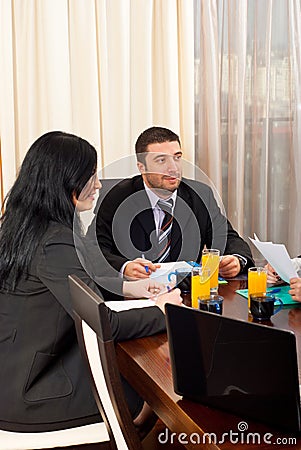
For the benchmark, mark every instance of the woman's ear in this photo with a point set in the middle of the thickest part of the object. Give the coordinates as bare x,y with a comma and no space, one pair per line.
74,199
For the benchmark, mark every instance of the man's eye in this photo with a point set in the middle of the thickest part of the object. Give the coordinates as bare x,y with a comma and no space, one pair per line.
178,157
161,160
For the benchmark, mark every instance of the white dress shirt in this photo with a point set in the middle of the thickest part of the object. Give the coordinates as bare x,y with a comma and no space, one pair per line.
157,211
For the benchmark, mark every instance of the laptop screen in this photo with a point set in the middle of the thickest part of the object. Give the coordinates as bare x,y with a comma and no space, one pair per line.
241,367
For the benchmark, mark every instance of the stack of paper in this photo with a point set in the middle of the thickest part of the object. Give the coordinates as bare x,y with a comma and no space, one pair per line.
277,256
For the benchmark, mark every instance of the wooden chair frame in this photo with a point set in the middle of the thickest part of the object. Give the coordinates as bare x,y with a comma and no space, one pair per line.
92,324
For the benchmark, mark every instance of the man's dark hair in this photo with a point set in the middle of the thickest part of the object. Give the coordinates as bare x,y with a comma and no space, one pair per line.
153,135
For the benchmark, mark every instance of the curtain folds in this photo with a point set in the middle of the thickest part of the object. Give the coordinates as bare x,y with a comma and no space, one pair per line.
105,70
1,180
256,54
295,154
207,100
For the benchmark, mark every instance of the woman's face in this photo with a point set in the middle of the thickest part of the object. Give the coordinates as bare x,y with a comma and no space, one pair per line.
86,198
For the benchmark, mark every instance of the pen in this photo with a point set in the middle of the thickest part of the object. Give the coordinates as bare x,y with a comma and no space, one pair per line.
168,289
193,263
273,291
146,267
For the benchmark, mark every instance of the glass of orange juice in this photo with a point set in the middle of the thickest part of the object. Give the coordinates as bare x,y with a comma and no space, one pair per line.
257,281
200,285
210,260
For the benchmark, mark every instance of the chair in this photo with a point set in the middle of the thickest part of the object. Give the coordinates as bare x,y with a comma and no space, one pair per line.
94,336
97,347
77,436
86,434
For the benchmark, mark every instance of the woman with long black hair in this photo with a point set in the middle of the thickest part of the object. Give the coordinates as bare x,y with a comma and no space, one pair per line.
43,382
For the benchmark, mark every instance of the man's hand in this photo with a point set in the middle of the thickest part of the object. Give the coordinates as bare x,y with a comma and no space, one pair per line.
140,268
229,266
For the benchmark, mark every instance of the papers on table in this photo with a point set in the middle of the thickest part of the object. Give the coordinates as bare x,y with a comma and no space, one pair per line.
277,256
123,305
161,275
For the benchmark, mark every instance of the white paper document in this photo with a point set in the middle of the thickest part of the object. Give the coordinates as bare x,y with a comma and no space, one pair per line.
161,275
124,305
277,256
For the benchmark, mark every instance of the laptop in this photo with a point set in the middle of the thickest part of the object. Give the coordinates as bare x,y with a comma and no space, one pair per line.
241,367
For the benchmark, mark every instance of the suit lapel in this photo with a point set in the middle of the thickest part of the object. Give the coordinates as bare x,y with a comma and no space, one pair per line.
145,216
182,214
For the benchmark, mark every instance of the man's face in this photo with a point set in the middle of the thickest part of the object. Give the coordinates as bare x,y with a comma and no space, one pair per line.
163,167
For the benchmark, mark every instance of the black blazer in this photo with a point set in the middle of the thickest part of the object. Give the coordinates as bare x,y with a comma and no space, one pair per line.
125,227
44,385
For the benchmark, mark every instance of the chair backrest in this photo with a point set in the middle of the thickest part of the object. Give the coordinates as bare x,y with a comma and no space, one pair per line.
68,438
97,348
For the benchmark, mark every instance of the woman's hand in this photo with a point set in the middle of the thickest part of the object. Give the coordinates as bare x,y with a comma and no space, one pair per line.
295,291
144,288
273,276
173,296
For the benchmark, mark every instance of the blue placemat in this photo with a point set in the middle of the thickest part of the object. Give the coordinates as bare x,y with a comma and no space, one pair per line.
282,294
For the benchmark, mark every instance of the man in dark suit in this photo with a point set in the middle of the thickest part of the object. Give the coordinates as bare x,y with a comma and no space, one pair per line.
135,233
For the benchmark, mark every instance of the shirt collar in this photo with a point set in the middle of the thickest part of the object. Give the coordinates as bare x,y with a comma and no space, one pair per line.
153,198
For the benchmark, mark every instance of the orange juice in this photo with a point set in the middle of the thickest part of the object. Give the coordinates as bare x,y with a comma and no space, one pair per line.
257,281
210,260
200,286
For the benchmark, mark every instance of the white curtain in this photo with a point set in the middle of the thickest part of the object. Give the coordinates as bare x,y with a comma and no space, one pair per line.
105,70
294,223
1,178
248,63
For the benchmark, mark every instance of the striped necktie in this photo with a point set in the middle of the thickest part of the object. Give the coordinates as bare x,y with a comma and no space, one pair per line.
164,237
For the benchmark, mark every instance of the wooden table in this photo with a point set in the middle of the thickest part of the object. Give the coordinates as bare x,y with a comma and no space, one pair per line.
146,365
